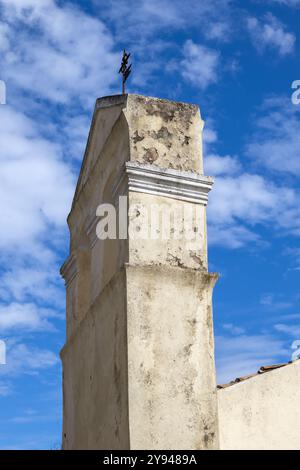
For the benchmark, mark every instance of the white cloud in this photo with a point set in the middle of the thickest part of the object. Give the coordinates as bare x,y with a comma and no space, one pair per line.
137,20
210,137
32,359
75,52
245,354
5,389
76,131
34,417
199,65
221,165
294,254
239,204
272,302
38,281
228,201
24,359
220,30
71,51
241,201
291,330
215,164
247,197
59,54
25,316
36,185
276,142
4,37
289,3
231,235
234,330
271,33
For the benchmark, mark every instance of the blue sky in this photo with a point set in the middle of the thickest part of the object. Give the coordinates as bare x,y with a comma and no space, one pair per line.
237,60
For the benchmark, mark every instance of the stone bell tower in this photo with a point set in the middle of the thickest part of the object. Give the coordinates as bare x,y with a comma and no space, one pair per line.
138,363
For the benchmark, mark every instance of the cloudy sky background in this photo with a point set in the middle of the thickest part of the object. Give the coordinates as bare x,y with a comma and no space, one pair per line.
237,60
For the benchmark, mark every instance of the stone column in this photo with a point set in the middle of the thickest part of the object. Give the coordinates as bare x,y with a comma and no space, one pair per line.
138,363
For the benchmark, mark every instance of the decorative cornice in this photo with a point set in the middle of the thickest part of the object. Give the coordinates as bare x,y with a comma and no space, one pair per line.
182,185
109,101
69,269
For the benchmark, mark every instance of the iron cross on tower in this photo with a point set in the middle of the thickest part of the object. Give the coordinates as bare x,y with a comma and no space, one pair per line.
125,69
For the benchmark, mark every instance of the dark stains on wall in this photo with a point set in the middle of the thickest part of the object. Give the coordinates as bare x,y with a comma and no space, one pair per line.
150,155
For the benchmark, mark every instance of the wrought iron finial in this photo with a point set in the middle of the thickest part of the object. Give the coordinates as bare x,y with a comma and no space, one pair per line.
125,69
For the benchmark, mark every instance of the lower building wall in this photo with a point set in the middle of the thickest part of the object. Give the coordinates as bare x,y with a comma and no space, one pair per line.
262,412
95,385
138,372
171,370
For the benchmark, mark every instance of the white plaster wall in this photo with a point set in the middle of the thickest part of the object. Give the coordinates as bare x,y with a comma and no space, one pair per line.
262,412
187,250
95,381
147,329
165,132
171,370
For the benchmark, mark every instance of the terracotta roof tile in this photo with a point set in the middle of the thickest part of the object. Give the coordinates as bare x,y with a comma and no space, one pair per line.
262,370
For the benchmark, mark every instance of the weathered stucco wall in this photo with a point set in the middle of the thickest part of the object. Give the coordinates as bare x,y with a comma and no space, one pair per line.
262,412
166,133
95,382
138,363
171,376
166,248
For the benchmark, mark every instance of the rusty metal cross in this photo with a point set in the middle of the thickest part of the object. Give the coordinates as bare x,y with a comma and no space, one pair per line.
125,69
